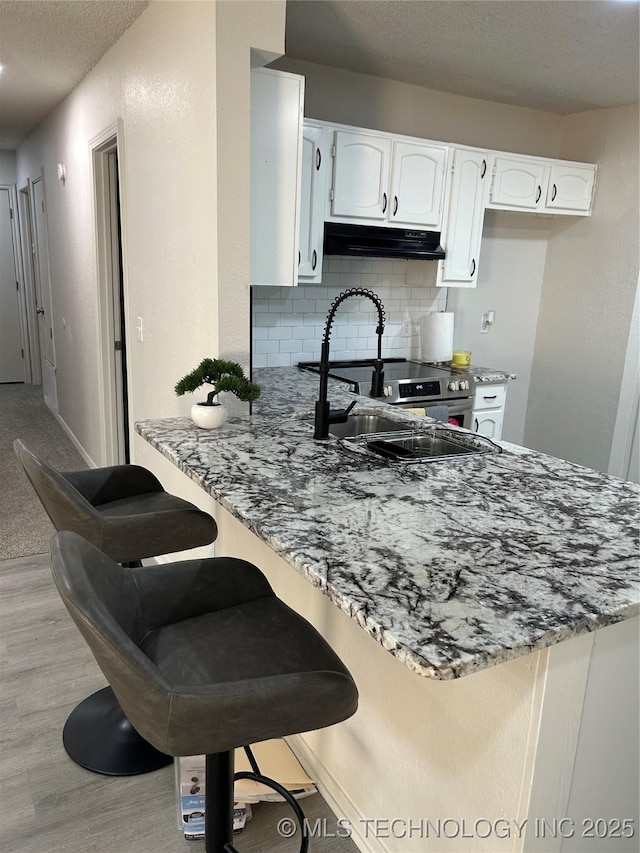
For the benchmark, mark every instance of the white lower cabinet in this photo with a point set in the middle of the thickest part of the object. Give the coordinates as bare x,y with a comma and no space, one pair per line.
488,410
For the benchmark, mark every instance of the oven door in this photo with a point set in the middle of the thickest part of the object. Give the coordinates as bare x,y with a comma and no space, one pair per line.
459,411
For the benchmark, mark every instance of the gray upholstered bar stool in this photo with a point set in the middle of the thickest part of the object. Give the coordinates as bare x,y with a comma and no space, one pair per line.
125,512
204,658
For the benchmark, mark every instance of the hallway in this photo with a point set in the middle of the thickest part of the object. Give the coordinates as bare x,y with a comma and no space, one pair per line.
24,526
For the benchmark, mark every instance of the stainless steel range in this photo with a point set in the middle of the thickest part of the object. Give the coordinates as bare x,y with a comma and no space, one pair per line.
409,385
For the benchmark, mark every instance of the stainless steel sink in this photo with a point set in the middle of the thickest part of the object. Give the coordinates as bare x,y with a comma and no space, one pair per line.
394,441
419,447
365,425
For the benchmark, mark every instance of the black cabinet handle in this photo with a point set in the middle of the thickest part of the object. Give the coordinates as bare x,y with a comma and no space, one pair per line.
473,267
318,159
384,202
539,193
476,425
395,204
554,192
491,397
484,169
298,258
314,259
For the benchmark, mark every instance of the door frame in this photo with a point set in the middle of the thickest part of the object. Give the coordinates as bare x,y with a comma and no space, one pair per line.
108,140
625,433
27,250
44,296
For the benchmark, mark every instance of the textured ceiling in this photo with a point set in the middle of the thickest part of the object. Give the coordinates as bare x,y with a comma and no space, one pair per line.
557,55
46,48
561,56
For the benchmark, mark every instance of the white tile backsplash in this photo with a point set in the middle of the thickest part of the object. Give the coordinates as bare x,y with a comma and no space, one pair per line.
288,322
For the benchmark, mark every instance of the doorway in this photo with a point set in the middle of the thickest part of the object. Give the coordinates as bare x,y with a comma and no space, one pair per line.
28,254
111,297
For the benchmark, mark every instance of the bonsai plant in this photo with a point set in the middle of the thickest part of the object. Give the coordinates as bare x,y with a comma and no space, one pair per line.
223,375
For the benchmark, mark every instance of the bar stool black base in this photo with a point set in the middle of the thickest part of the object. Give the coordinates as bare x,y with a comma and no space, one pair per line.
218,801
99,737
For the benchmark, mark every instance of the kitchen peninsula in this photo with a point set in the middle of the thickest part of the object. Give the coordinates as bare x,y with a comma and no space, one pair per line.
452,568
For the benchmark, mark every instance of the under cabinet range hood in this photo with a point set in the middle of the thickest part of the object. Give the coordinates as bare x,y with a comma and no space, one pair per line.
366,241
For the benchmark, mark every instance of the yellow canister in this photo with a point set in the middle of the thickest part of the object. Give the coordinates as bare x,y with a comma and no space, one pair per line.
461,357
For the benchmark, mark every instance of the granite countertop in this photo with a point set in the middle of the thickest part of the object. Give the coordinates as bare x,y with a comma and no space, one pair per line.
451,566
485,374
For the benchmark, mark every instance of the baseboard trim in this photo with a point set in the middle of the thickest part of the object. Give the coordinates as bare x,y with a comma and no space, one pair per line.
336,797
71,435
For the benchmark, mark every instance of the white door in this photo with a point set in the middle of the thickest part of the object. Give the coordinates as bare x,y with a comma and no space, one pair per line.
517,184
463,230
417,181
570,187
277,102
489,423
361,176
11,344
315,156
119,327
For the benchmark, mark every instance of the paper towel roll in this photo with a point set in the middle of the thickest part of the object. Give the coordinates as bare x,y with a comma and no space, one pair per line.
436,336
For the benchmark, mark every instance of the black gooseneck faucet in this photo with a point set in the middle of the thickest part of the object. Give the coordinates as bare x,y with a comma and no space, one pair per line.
324,415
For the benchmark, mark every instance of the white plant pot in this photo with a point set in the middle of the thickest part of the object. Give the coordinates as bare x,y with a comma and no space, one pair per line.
208,417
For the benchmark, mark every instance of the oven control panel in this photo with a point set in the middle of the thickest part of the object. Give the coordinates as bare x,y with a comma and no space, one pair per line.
413,390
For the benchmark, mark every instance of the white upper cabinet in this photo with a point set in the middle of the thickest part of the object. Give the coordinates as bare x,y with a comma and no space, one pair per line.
417,183
386,181
517,184
360,176
570,187
462,232
316,159
277,100
542,186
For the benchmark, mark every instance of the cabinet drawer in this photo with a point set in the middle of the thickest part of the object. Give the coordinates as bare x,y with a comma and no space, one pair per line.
490,397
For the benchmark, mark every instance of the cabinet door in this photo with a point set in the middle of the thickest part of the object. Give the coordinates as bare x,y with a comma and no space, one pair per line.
315,156
277,100
463,220
570,187
517,184
489,422
417,183
360,176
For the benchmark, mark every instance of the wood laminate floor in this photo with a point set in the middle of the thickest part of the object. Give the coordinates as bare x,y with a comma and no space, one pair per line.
49,804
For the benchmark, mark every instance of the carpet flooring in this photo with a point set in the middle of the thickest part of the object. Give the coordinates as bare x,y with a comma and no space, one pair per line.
25,528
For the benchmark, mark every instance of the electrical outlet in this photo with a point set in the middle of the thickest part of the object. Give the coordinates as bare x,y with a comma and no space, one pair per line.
405,330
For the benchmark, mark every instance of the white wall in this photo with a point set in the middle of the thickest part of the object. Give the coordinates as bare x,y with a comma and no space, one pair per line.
159,78
332,94
7,167
179,80
250,31
509,283
590,282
